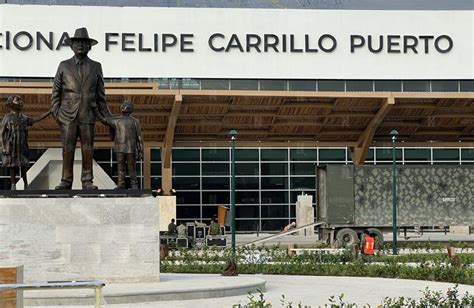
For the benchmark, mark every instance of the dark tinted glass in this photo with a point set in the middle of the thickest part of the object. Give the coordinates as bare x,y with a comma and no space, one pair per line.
215,154
273,85
246,155
417,154
215,169
99,154
185,197
155,182
155,154
215,183
186,183
416,85
274,154
274,197
214,84
386,154
244,84
155,168
274,168
388,85
332,154
247,225
444,86
246,211
359,85
215,197
186,169
274,211
467,154
303,183
274,224
303,168
186,155
331,85
246,168
274,183
302,85
247,197
303,154
467,85
185,212
246,182
445,154
209,211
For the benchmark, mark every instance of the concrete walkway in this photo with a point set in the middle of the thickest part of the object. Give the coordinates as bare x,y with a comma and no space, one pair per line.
309,290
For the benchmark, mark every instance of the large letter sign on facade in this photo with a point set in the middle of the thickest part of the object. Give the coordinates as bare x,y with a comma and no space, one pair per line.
242,43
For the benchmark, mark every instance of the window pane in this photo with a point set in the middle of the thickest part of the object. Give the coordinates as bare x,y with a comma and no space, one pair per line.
99,155
359,85
244,84
246,183
417,154
215,183
274,154
303,168
302,85
185,197
274,225
388,85
246,155
215,169
274,197
467,85
186,169
446,154
273,85
332,154
186,155
303,154
188,212
467,154
212,84
386,154
186,183
215,197
155,168
246,168
331,85
155,182
246,211
444,86
106,166
215,154
275,211
303,183
209,211
274,169
247,197
416,85
247,225
155,155
274,183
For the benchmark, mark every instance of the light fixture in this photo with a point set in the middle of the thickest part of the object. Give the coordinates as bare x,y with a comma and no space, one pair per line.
172,192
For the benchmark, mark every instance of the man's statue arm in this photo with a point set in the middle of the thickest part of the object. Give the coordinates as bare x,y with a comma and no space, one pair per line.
39,118
139,140
56,93
100,95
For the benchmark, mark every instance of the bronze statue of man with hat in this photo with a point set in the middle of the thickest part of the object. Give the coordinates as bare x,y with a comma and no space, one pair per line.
78,95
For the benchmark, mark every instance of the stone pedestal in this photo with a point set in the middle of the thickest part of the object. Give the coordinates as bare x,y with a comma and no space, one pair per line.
110,239
305,214
167,206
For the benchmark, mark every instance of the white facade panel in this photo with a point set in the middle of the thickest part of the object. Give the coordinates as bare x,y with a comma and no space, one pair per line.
446,35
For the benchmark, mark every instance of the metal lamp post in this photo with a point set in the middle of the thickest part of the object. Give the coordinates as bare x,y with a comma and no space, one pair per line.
233,138
394,135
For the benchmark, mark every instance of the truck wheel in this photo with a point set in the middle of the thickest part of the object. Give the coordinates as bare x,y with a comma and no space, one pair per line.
377,234
347,237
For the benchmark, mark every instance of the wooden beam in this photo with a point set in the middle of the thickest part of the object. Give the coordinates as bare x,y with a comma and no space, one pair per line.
365,140
170,132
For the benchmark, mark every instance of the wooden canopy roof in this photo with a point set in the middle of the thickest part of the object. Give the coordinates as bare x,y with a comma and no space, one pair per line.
272,118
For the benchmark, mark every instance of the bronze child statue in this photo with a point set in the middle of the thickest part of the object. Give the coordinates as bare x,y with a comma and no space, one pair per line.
15,139
128,143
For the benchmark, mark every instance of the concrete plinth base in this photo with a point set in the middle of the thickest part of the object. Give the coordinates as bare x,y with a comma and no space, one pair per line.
110,239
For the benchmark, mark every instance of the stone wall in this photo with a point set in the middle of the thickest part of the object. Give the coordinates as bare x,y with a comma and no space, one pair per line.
112,239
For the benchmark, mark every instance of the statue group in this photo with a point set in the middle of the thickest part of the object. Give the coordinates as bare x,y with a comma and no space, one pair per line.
78,99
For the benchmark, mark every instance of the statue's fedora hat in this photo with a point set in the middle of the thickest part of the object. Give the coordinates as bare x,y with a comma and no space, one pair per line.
80,34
